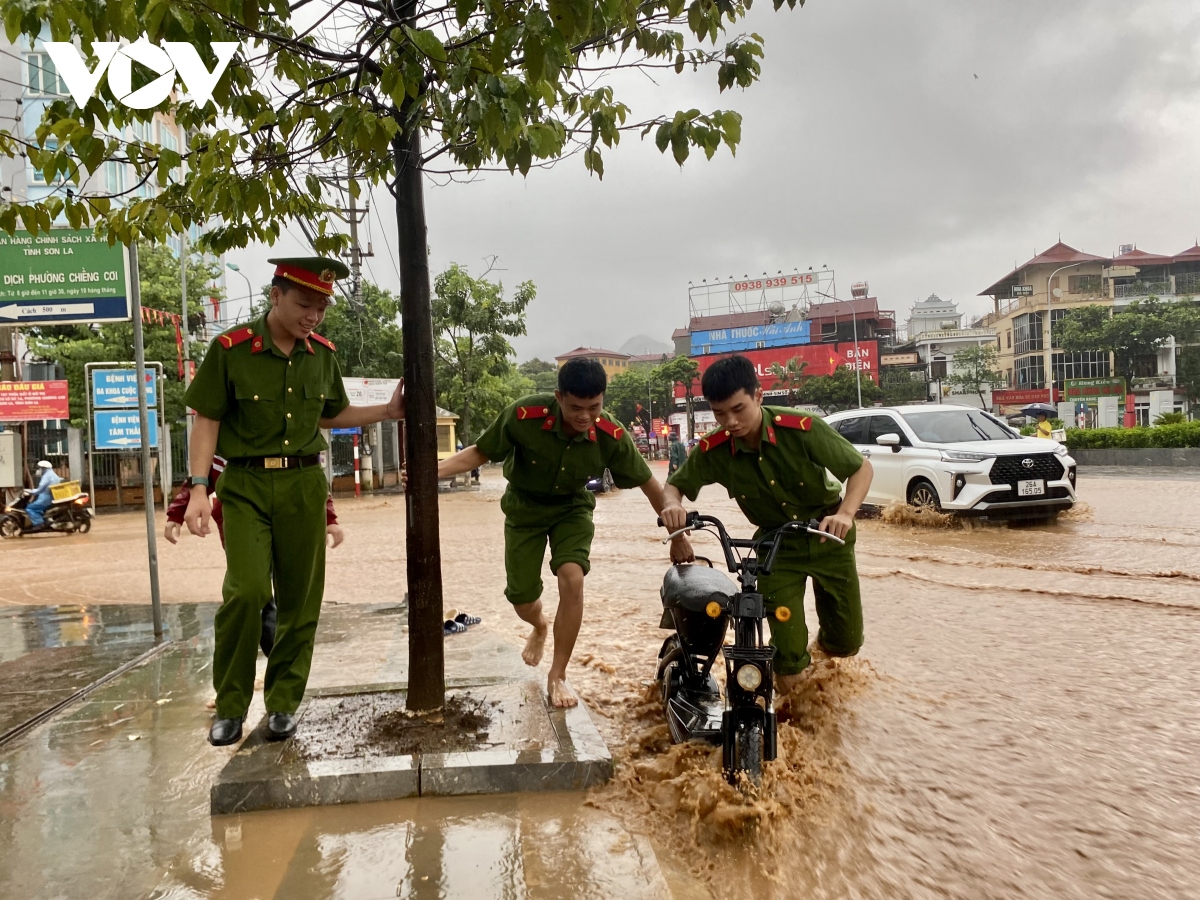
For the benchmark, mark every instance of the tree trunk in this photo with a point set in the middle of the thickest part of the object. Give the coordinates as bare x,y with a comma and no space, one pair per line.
426,662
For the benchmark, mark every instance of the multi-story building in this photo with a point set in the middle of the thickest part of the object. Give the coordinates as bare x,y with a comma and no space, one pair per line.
1063,279
933,314
614,363
28,83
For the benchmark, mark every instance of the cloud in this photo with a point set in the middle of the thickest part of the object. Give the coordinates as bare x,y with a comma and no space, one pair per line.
870,146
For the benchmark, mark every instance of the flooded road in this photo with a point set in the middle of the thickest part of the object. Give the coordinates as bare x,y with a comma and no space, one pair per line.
1023,720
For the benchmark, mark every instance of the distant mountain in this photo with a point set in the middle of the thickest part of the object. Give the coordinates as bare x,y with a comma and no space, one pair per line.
641,344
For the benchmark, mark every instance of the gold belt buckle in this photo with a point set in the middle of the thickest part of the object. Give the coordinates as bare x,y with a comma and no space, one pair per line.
273,462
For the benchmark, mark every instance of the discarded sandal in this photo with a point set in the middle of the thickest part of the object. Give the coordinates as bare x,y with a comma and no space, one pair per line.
464,619
452,627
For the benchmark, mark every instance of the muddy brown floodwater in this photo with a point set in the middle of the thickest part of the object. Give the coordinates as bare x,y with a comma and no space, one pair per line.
1024,720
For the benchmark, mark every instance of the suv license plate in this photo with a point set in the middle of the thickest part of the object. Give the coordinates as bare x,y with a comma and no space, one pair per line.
1031,488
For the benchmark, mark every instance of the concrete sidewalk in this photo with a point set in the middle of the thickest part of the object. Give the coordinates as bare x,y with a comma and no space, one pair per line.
111,797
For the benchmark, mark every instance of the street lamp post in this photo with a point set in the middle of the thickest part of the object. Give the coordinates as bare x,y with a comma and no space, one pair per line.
1049,330
249,289
854,320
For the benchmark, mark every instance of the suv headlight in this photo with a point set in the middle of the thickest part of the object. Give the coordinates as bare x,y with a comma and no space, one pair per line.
965,456
1061,450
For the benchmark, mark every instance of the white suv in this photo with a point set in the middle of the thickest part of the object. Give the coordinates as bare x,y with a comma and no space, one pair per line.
958,459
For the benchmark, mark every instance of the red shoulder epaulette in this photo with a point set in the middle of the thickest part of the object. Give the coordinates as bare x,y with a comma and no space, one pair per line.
804,423
716,439
612,429
532,412
231,339
324,341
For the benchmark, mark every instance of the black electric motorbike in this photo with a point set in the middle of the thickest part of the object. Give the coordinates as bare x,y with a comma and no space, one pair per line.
67,515
698,604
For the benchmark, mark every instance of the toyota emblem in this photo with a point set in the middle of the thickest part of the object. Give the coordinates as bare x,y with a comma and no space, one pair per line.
1027,463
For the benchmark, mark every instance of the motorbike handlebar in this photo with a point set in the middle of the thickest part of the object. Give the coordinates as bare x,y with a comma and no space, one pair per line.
812,526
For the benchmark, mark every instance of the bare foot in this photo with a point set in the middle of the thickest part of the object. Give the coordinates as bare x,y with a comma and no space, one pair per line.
535,646
785,684
560,692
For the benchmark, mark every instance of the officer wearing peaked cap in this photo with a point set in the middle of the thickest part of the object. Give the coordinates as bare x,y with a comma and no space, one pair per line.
261,396
773,461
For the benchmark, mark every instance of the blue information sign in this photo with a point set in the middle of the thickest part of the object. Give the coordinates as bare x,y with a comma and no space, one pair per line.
117,389
752,337
344,430
121,430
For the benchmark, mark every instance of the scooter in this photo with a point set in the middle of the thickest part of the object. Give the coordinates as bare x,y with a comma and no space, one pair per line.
68,515
698,604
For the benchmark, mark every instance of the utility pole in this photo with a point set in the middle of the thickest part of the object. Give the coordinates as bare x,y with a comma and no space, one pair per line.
8,357
355,254
187,350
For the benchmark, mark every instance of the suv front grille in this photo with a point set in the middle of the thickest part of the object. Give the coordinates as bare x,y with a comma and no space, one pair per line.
1011,469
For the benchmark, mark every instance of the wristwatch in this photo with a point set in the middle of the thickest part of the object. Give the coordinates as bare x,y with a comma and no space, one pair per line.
198,479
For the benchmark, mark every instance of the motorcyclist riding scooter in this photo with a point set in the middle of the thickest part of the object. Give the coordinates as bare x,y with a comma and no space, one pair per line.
40,510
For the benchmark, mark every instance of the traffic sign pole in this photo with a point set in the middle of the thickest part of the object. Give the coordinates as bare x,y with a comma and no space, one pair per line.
139,356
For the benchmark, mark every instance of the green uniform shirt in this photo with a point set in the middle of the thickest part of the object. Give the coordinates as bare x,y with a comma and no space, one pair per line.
540,459
268,404
785,479
677,453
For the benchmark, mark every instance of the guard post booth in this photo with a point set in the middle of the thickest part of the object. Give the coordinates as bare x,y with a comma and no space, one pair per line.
447,446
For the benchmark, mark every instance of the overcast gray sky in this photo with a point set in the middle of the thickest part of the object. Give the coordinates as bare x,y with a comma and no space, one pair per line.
869,146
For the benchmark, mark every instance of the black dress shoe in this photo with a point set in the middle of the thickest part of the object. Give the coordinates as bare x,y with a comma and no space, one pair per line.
280,726
224,732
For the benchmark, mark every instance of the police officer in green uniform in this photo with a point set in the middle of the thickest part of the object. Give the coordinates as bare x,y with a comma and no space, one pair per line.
773,462
551,444
261,395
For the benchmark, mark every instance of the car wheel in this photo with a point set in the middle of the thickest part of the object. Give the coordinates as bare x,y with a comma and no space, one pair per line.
923,495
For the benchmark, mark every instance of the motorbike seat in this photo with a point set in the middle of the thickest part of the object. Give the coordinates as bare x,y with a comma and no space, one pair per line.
693,587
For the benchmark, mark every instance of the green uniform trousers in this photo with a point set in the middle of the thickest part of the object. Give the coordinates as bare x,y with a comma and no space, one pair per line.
274,542
832,568
530,521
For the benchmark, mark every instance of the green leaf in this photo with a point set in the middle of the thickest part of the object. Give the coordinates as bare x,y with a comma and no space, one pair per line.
662,138
427,42
680,146
535,57
562,13
679,61
463,9
12,22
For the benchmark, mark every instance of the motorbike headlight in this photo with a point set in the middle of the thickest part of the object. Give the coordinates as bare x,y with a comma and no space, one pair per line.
749,677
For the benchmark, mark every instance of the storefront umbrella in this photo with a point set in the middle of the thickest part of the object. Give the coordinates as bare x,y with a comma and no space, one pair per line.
1040,409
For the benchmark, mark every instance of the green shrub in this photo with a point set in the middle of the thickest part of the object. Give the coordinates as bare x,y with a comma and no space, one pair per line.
1171,418
1184,434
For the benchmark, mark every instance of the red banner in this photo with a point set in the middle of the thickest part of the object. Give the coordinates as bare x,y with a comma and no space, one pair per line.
30,401
1024,396
822,359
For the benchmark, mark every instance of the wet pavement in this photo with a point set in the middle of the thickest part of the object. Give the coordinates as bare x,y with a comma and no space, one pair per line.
1022,722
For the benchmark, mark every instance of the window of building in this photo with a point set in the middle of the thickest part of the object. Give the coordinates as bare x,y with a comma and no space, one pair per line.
760,345
1083,284
1008,382
1008,338
1028,333
1030,371
1080,365
443,438
43,78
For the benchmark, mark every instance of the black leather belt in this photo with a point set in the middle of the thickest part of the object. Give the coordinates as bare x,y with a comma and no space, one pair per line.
276,462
